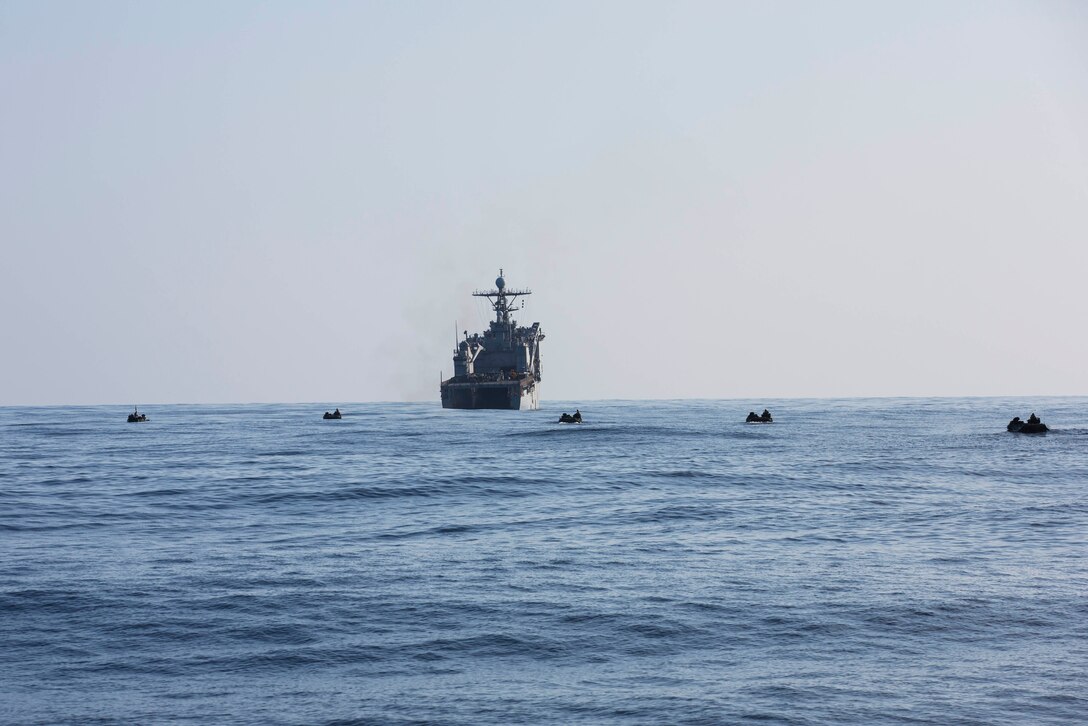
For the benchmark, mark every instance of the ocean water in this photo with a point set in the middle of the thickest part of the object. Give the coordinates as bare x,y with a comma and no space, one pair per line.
879,561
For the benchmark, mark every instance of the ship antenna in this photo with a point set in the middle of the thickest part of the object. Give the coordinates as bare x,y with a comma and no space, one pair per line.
503,299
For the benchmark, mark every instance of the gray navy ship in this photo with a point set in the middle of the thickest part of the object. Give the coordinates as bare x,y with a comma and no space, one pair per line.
501,367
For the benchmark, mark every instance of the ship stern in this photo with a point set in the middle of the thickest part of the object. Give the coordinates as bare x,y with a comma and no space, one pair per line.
504,395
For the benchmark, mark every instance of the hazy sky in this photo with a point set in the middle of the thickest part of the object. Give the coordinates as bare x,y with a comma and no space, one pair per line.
231,201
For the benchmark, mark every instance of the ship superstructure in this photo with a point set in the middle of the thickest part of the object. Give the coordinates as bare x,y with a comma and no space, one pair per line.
499,368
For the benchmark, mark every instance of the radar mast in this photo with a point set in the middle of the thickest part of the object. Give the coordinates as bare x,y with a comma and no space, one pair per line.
502,300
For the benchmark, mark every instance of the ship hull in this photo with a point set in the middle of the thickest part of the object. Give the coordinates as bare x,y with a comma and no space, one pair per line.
503,395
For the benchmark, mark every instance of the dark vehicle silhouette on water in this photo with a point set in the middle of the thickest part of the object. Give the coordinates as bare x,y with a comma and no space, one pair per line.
1032,426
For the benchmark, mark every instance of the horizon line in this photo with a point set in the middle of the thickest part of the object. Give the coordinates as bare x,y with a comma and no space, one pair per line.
437,402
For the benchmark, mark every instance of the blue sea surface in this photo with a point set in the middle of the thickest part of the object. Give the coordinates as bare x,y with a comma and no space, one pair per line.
864,561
